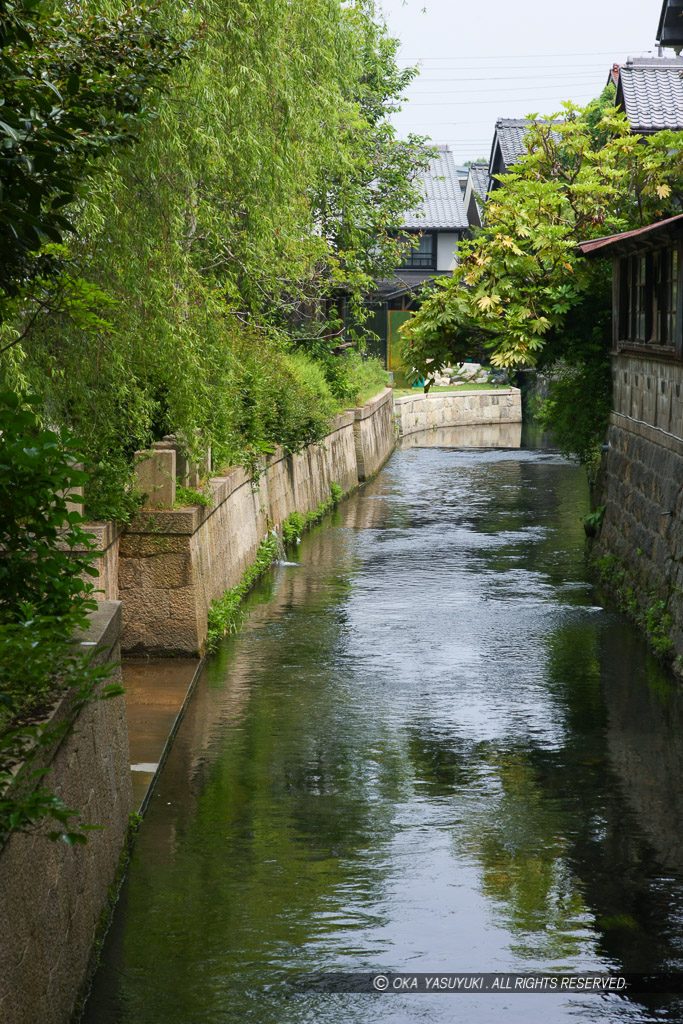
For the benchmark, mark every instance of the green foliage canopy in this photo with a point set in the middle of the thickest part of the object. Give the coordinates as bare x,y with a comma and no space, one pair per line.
268,186
521,277
74,87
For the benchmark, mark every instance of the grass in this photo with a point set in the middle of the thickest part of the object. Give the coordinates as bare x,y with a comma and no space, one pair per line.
225,612
399,392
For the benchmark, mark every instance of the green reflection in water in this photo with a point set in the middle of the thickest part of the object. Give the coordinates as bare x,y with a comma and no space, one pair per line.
427,740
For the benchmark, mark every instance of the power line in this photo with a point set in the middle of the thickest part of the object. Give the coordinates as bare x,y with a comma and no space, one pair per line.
518,99
523,88
504,78
526,56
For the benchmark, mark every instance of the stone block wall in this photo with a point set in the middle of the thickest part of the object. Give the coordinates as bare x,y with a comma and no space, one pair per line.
373,430
643,495
106,562
174,563
51,894
457,408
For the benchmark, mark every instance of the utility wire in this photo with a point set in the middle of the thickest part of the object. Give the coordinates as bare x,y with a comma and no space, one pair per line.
505,78
525,56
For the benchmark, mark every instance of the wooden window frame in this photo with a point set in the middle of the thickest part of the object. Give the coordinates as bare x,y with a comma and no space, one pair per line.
648,300
415,261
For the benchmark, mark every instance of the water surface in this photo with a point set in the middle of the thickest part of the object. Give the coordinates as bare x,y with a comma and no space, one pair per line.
428,749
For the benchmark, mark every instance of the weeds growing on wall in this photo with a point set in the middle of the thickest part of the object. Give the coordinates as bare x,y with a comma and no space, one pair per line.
225,612
648,612
298,522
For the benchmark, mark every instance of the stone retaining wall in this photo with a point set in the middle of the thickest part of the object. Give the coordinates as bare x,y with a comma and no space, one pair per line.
373,430
456,408
51,894
642,482
643,495
173,563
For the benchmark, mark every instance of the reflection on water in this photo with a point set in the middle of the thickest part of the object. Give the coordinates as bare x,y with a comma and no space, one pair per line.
428,749
484,435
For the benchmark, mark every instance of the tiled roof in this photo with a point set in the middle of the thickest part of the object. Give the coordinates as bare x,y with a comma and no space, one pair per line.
651,92
510,133
479,173
443,206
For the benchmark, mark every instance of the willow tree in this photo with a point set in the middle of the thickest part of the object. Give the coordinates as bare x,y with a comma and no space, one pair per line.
267,183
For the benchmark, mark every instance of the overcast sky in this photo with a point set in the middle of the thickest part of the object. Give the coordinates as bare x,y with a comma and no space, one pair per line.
484,59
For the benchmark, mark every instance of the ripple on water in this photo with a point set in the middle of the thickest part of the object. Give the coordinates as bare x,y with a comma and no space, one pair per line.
427,749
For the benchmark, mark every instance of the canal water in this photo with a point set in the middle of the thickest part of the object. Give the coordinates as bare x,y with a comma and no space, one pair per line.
428,749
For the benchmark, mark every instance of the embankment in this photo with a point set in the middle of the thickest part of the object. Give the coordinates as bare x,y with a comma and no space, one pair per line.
456,409
52,895
642,490
174,562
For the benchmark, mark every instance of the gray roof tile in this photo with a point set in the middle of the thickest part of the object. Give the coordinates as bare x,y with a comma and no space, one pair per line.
479,173
511,133
651,91
443,205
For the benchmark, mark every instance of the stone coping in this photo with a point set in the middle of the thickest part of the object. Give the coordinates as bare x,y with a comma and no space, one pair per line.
101,636
362,412
105,535
645,430
421,396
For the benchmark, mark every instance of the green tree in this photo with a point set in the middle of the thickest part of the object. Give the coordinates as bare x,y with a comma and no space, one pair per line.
522,294
268,188
74,87
44,601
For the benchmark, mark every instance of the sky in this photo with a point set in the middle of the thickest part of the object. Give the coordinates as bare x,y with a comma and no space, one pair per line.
484,59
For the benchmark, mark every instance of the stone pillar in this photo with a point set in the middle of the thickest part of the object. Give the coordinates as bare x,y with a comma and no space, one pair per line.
200,470
74,495
188,473
182,462
156,473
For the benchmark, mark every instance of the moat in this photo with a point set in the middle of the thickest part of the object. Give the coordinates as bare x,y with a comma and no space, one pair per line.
429,748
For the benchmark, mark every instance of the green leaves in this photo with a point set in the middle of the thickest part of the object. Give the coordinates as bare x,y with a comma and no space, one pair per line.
584,176
74,87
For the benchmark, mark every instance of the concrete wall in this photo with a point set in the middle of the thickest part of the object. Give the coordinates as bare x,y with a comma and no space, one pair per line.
456,408
447,250
51,894
642,482
173,563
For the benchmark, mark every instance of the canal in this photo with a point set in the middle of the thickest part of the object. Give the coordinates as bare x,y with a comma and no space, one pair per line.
429,748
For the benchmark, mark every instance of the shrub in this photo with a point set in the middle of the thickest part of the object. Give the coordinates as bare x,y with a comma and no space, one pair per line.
44,600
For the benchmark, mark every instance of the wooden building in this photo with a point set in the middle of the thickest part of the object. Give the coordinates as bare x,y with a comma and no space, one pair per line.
643,466
647,288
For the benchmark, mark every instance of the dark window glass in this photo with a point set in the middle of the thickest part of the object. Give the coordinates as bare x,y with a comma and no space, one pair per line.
623,324
667,296
424,256
640,298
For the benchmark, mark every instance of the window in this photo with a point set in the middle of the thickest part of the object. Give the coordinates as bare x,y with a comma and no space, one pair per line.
667,296
424,256
648,298
639,298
